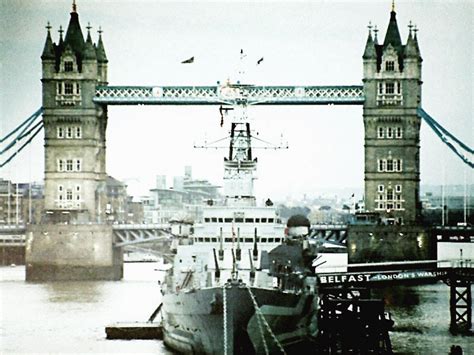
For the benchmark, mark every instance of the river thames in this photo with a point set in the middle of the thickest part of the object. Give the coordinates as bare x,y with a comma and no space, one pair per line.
70,317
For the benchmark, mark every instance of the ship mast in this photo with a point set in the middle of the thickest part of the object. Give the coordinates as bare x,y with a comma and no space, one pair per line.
239,165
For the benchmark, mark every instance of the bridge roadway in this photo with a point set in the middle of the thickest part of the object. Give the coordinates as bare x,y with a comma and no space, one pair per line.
124,234
230,94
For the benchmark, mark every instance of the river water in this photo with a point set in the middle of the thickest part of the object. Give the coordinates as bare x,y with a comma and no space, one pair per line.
70,317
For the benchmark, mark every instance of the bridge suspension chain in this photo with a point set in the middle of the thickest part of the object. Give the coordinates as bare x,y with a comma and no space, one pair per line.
28,121
259,314
448,138
25,132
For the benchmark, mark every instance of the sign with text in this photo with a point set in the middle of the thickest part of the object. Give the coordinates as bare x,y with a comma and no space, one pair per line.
367,277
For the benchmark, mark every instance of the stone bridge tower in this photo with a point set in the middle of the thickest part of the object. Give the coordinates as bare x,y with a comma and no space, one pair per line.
73,242
392,86
74,126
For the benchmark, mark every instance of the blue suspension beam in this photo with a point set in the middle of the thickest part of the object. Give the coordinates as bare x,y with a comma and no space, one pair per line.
27,122
230,94
445,136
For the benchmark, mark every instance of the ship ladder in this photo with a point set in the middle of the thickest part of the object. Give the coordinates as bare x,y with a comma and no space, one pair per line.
261,319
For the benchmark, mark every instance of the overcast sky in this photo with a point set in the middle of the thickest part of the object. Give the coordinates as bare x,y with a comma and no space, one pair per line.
303,43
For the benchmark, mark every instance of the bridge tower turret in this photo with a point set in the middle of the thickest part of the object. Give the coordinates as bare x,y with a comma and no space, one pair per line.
392,87
74,126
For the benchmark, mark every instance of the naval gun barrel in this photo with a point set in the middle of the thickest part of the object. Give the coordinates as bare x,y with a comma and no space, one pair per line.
221,247
252,268
255,250
217,273
238,251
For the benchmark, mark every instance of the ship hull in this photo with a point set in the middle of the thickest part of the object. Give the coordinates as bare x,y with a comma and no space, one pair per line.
225,320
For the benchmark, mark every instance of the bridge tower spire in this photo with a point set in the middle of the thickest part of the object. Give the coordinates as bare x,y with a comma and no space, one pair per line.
74,126
392,88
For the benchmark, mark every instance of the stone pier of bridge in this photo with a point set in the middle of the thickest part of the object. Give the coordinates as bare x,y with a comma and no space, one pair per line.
72,252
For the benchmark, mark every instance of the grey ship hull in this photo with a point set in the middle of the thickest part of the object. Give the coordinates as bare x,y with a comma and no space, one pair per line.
194,321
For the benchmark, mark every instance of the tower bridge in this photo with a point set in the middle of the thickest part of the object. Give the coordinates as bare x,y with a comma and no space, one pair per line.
76,96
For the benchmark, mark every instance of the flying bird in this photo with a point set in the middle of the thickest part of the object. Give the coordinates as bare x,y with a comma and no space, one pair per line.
188,61
260,61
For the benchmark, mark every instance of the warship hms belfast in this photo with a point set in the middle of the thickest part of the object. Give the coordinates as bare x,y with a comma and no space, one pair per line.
239,285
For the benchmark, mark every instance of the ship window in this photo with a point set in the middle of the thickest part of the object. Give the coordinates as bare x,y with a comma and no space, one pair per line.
214,219
264,220
227,240
220,220
271,240
248,240
263,240
206,240
278,220
207,220
228,220
239,220
248,220
270,220
214,240
257,220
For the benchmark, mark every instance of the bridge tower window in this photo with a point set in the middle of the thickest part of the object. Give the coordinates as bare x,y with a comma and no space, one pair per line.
380,132
69,165
78,132
60,132
399,132
380,188
389,65
68,66
389,132
68,89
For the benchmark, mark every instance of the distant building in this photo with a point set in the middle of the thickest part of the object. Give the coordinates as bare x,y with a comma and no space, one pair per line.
187,196
20,203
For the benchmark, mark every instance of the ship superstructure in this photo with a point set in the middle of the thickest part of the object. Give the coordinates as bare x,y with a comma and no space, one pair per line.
238,285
